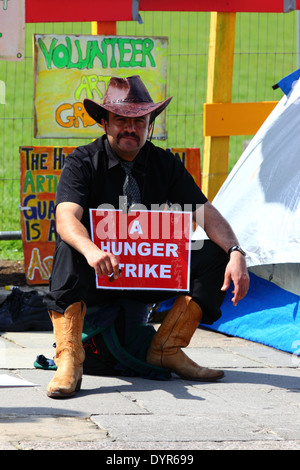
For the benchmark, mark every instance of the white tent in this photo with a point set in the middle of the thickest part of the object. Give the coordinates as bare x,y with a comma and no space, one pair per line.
261,196
261,200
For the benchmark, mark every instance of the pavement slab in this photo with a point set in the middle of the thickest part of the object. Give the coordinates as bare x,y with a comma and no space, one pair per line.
256,406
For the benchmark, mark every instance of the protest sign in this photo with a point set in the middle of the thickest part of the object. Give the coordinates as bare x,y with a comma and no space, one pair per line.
152,248
40,172
70,68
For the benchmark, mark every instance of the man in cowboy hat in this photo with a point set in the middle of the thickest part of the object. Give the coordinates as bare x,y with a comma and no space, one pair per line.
97,174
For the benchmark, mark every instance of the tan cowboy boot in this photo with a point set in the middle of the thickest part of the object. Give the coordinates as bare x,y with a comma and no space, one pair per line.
69,351
174,333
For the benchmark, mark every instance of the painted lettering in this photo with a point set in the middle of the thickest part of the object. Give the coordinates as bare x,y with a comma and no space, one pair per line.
92,86
32,231
58,158
112,52
40,210
35,161
71,115
36,264
36,183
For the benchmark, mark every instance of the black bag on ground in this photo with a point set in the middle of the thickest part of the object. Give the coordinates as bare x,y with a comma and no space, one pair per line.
24,311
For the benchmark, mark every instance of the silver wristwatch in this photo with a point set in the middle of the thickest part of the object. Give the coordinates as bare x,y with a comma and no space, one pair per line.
236,248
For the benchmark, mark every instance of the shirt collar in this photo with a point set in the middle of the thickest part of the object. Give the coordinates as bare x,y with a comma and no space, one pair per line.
113,159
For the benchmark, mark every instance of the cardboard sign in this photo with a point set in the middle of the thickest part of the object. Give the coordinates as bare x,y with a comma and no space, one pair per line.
40,172
70,68
152,248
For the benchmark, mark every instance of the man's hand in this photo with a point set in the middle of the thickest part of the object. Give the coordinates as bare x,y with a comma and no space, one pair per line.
220,232
71,230
104,264
236,271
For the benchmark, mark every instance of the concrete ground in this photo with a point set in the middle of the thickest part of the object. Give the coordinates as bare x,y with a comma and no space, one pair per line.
255,407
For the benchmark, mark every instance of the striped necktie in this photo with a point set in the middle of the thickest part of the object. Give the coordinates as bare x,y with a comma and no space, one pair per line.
130,186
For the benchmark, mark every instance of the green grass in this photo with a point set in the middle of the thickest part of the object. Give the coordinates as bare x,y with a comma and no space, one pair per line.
265,51
12,250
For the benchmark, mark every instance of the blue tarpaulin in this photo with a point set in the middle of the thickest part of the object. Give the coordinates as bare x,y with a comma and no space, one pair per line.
286,83
268,315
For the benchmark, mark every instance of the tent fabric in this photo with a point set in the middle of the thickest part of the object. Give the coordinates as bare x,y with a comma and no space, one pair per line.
268,315
261,200
260,197
285,275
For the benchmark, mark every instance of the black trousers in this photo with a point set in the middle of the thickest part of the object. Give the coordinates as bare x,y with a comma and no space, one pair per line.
73,280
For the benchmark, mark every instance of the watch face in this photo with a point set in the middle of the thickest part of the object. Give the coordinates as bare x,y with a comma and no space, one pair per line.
236,248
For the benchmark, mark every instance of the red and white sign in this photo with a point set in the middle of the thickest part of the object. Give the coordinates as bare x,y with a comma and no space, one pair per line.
152,247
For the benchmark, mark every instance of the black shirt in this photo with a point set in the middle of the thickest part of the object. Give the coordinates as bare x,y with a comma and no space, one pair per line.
92,175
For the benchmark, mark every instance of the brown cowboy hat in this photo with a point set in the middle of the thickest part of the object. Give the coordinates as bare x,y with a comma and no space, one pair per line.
126,97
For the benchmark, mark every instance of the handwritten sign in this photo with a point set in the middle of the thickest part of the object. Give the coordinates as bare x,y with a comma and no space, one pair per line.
152,247
12,29
70,68
40,172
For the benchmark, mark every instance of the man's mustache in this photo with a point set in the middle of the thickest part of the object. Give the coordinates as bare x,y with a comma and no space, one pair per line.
128,134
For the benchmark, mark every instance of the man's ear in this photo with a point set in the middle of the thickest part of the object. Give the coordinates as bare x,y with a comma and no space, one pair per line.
149,130
103,124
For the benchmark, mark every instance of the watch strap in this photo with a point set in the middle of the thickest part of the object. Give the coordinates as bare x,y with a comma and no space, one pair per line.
236,248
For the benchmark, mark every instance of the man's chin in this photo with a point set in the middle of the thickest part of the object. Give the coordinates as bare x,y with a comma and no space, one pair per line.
129,145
